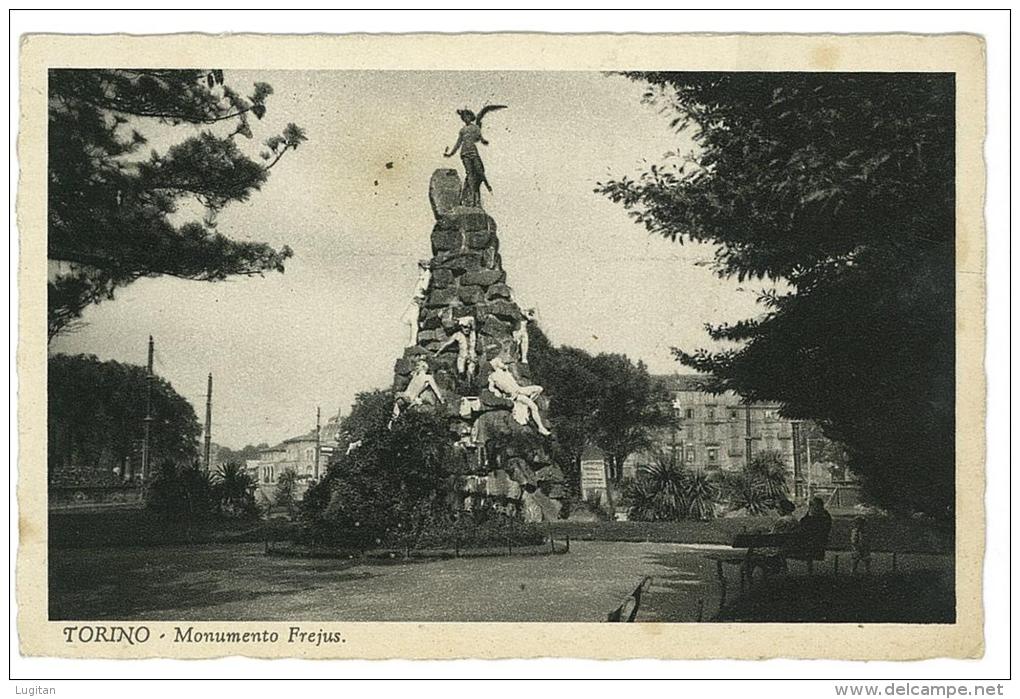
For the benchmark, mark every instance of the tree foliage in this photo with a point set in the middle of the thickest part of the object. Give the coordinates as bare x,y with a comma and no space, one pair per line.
113,213
605,400
286,490
96,416
234,491
385,491
183,494
248,452
841,186
370,412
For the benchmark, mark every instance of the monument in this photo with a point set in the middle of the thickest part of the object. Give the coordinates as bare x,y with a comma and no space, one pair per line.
468,357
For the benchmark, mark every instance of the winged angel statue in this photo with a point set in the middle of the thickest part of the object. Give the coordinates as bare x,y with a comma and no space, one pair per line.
468,138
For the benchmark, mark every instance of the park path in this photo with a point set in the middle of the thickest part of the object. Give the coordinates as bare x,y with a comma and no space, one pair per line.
238,582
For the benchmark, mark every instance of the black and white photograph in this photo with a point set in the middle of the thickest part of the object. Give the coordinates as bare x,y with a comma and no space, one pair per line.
674,347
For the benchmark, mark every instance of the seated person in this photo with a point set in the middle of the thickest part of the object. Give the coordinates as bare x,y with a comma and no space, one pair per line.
772,559
815,527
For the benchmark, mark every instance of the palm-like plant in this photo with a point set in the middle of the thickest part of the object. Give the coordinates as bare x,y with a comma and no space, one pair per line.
744,494
768,472
759,486
665,491
644,506
235,488
699,496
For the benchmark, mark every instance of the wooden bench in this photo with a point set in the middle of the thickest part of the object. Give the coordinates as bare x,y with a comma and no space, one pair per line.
627,611
793,545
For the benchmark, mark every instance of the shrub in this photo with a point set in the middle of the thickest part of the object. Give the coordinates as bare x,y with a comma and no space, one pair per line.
665,491
234,491
286,485
386,490
478,529
758,487
181,493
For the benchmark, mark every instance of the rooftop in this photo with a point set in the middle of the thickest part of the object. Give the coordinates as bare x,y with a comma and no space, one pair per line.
685,382
307,437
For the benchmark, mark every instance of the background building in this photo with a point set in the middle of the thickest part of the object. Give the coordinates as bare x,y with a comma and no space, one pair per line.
306,455
719,432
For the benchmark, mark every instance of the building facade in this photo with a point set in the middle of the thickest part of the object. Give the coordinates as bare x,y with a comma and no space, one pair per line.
306,455
718,432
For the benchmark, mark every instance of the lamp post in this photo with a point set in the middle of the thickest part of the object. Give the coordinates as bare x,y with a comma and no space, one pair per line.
674,423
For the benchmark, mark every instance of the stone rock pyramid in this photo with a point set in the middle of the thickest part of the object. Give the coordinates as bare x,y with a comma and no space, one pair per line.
504,462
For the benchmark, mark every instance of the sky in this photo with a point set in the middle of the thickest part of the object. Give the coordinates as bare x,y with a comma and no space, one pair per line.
329,327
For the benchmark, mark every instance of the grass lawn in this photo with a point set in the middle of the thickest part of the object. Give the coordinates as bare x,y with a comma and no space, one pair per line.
133,527
140,527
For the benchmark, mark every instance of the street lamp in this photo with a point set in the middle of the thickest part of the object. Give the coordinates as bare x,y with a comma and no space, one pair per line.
674,423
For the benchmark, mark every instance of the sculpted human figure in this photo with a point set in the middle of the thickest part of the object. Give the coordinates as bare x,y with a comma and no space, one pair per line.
421,382
421,287
503,383
465,338
474,170
520,333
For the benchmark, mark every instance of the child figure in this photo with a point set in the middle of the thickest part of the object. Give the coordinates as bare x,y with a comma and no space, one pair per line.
860,545
465,338
421,381
410,315
520,334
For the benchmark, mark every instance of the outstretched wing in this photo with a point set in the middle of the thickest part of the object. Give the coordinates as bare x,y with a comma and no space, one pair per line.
485,110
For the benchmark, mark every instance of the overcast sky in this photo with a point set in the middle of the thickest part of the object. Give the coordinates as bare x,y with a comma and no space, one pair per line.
329,327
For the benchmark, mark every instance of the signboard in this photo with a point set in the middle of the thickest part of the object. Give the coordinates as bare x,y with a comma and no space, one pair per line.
593,476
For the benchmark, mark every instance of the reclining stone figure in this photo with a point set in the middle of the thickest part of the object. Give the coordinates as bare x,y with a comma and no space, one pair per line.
503,383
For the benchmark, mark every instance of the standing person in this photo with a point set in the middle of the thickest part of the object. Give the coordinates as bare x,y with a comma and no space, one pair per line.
860,546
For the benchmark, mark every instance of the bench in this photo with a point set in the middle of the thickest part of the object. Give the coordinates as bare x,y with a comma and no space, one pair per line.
792,545
627,611
795,545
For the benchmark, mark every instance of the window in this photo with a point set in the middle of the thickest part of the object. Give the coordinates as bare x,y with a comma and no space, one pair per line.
689,413
733,414
713,455
711,413
690,455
